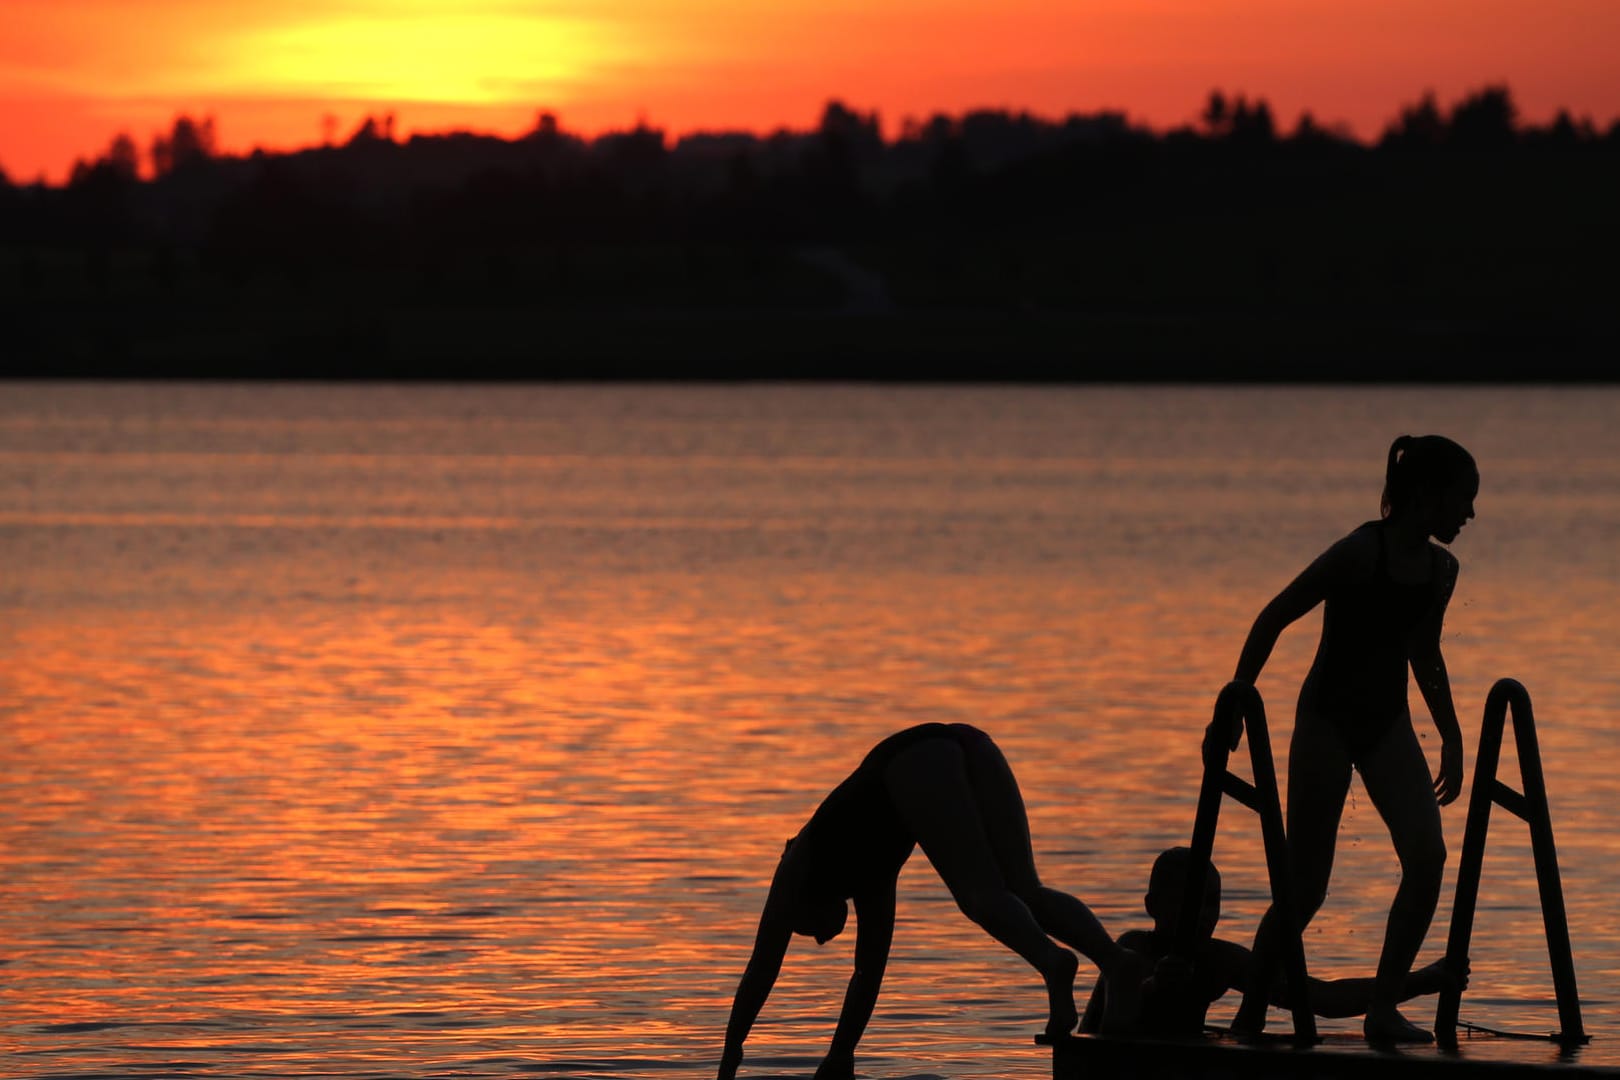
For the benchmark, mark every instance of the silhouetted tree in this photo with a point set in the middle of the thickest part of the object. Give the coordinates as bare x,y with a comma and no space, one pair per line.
1307,130
1418,127
121,165
845,145
840,121
189,143
635,158
1252,123
1236,119
1564,133
373,131
123,157
1484,120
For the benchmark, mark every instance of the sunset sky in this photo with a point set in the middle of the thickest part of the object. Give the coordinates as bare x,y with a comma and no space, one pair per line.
73,73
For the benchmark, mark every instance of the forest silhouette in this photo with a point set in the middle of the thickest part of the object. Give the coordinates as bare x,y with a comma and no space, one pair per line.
1461,244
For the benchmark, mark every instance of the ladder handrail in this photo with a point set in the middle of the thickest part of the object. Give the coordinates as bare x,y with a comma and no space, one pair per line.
1531,807
1238,708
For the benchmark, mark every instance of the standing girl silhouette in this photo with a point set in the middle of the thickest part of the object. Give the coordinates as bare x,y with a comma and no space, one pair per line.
1384,588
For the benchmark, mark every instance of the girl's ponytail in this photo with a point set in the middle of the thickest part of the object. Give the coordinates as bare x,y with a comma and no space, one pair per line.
1395,476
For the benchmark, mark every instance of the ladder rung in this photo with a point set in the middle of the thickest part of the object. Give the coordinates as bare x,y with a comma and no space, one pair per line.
1510,800
1241,790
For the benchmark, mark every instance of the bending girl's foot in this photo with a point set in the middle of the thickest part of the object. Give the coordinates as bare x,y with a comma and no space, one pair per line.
1061,1013
1123,1002
1386,1025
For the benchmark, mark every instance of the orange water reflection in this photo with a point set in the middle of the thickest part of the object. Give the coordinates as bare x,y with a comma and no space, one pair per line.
298,779
556,835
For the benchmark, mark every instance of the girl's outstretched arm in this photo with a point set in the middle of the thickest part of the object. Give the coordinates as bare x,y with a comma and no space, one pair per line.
1335,565
1429,669
770,946
1338,563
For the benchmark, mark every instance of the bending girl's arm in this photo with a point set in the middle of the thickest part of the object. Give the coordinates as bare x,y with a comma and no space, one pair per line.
770,945
1429,669
874,930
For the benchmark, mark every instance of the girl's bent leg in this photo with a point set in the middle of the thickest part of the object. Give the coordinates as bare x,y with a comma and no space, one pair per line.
1398,781
929,785
1006,824
1065,917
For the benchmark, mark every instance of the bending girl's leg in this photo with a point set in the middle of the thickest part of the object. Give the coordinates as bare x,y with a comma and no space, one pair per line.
1006,824
1318,783
1065,917
929,785
1398,781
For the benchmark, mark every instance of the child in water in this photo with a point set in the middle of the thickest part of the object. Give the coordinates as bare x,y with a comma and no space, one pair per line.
1384,588
1183,988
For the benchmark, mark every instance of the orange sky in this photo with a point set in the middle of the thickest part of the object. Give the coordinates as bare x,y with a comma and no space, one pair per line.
75,72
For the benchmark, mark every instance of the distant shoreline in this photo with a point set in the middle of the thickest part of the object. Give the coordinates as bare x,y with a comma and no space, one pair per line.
272,341
1463,247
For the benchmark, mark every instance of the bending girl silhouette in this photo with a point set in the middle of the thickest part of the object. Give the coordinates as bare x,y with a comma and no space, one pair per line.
947,788
1385,588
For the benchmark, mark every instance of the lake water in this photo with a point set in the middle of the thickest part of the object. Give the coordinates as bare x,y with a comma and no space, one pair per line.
425,731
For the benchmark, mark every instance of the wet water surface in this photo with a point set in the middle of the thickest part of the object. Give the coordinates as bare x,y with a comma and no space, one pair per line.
382,731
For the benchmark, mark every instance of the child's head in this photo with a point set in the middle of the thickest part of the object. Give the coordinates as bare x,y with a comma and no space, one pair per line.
1167,887
1432,476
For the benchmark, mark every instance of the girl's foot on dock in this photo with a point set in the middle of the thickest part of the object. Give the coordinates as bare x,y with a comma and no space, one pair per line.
1386,1025
1061,1012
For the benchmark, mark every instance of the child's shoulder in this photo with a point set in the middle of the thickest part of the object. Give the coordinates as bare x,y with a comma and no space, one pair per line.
1443,556
1357,550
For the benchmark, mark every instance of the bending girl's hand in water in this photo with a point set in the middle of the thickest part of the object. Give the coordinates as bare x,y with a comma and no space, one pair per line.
729,1061
1448,785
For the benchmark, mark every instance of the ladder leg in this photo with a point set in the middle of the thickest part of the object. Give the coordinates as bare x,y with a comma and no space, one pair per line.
1548,880
1280,870
1203,848
1468,869
1532,806
1239,707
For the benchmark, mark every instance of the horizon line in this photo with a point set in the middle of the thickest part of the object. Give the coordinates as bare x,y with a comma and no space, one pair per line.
890,132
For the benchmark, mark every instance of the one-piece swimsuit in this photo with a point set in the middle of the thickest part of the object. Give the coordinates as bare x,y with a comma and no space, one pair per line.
856,837
1358,680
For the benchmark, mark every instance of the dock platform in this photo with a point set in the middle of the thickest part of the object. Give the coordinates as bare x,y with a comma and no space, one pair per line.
1219,1055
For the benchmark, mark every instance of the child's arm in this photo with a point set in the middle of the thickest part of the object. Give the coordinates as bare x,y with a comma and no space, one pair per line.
1339,563
1429,670
1333,998
1334,566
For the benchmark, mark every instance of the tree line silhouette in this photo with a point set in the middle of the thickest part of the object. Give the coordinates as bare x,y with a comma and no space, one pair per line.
1459,228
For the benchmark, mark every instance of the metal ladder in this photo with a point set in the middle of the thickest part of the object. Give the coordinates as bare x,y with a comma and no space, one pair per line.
1530,807
1239,709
